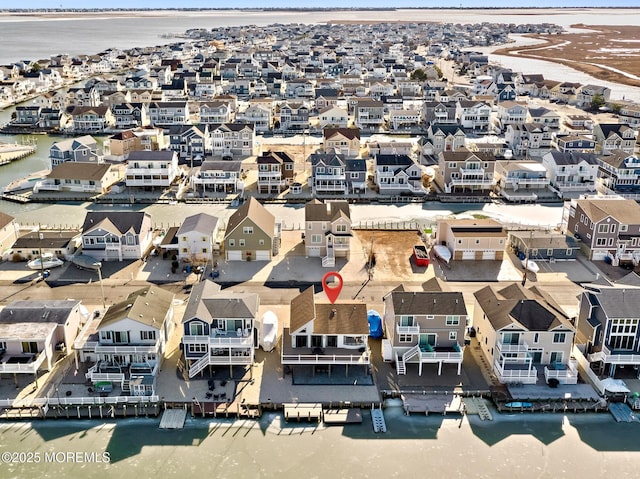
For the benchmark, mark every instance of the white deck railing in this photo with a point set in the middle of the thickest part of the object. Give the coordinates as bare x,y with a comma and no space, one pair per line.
232,340
20,368
361,358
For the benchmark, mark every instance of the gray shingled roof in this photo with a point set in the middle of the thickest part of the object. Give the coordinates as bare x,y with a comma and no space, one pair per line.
208,302
38,311
428,302
148,306
201,222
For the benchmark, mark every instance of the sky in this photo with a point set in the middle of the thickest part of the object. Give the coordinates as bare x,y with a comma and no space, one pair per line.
74,4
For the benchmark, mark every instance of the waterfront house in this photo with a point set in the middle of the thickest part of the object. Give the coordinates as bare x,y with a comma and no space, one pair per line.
472,239
218,176
540,245
275,171
392,147
327,338
61,244
619,174
219,328
404,118
81,177
443,137
605,227
151,169
190,142
130,115
463,170
127,344
369,114
294,116
425,327
614,136
342,140
34,334
197,236
607,329
521,180
92,119
333,116
116,235
233,139
520,330
571,174
82,149
328,173
9,230
398,175
215,111
27,116
169,113
252,233
327,230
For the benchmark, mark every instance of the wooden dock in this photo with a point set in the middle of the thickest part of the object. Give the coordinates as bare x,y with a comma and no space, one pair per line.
173,419
431,403
342,416
303,411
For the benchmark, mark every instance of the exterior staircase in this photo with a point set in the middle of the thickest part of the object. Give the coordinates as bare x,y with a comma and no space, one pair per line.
329,261
400,366
199,365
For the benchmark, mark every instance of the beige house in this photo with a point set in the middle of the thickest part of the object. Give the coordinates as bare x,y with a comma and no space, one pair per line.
8,232
92,178
343,140
327,230
523,333
252,233
472,239
197,236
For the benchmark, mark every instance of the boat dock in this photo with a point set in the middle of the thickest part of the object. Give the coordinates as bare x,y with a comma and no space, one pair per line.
477,406
12,151
432,403
622,413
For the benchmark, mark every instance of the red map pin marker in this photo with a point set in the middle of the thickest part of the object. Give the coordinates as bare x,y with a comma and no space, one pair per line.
332,291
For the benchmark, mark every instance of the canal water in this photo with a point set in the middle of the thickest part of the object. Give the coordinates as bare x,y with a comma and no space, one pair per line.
512,446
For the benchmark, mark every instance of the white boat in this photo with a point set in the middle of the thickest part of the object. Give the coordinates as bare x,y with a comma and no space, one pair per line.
442,252
268,330
47,261
530,265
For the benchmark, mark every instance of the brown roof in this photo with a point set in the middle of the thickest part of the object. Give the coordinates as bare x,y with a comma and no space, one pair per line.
349,133
147,306
5,219
625,211
79,171
316,210
302,309
341,318
257,213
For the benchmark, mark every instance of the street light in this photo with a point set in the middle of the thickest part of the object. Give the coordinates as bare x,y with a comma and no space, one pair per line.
98,265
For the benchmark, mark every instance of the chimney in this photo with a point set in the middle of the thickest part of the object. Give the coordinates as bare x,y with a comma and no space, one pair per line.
328,208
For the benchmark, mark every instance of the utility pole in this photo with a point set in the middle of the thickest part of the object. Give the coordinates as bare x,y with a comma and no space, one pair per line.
40,237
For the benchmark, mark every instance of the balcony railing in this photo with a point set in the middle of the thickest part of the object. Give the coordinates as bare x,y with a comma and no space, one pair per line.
19,368
413,329
569,375
620,357
521,347
232,340
127,348
471,182
327,358
527,181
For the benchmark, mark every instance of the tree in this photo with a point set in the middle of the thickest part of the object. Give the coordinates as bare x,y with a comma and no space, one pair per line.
616,107
438,71
418,74
35,67
596,102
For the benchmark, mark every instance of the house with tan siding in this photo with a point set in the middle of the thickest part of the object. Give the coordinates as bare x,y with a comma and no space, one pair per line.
472,239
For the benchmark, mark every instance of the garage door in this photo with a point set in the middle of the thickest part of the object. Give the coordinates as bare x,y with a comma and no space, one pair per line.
234,255
488,255
469,254
313,251
263,256
599,254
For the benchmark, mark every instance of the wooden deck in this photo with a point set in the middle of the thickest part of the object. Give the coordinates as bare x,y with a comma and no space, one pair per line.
431,403
303,412
342,416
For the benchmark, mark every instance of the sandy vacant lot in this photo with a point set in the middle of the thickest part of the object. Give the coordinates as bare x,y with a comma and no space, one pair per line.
603,52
